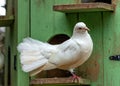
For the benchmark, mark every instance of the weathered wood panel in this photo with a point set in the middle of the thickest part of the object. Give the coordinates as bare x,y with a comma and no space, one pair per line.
8,20
84,7
111,46
20,31
59,81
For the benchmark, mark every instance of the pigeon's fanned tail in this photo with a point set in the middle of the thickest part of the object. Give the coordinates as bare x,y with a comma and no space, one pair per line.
34,65
30,45
31,54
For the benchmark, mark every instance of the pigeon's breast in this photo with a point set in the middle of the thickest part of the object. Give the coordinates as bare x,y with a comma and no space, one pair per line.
76,61
81,56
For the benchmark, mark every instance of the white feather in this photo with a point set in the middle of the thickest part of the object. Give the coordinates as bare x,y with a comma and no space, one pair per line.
2,2
34,65
2,34
34,54
2,11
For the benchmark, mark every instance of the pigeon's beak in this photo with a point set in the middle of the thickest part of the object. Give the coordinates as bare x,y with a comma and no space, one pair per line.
87,29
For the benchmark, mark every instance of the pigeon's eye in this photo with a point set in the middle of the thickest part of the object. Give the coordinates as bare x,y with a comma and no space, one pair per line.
79,28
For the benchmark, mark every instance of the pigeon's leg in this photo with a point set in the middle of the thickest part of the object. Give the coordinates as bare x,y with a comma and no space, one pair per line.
75,77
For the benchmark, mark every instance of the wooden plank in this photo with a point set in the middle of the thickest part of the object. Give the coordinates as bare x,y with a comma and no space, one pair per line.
84,7
7,57
42,19
111,36
6,20
111,47
42,81
21,30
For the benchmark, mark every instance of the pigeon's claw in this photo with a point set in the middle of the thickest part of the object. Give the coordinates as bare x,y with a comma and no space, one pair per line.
76,78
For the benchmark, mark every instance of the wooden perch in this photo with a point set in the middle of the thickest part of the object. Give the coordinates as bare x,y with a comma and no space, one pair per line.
59,81
84,7
6,20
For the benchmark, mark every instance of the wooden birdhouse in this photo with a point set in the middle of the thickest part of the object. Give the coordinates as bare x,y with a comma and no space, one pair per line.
53,21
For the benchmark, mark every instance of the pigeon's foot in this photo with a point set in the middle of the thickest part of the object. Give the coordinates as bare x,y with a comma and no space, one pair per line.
76,79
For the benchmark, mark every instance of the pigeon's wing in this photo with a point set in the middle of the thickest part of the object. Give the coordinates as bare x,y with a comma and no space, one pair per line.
67,51
34,54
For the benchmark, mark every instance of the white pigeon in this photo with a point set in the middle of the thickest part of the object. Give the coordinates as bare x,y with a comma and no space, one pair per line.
2,34
36,56
2,11
2,47
2,2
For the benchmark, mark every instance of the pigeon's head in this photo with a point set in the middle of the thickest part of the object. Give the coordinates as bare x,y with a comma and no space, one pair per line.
81,27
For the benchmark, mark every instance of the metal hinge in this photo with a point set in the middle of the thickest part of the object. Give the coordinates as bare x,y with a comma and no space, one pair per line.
115,57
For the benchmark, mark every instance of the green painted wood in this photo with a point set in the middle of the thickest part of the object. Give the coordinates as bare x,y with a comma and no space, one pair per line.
64,23
13,73
7,20
44,20
21,30
111,47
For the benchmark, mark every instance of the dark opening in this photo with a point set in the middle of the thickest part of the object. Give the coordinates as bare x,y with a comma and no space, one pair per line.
57,39
88,1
